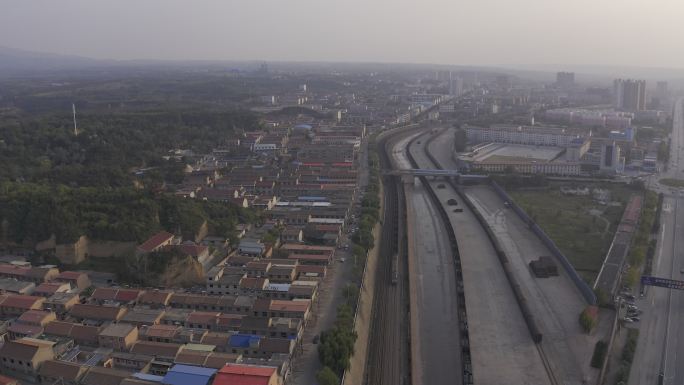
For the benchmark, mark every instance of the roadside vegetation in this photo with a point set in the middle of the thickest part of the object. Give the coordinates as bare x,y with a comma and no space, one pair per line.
337,344
643,245
672,182
627,357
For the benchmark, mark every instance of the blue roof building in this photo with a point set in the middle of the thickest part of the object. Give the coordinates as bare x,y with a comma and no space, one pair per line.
244,340
188,375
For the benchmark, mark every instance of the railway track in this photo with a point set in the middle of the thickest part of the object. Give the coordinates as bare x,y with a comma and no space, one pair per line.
388,350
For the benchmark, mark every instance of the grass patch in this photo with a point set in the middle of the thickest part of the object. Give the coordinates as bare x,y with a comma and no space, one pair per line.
583,237
672,182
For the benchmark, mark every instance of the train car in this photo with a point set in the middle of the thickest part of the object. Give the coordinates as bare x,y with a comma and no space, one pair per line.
395,269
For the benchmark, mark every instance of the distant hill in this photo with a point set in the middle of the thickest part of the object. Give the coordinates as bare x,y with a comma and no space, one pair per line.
16,61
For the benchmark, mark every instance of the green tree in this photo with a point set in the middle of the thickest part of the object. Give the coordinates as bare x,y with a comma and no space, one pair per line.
326,376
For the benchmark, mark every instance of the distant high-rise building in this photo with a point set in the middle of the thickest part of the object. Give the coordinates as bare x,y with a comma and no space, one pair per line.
263,69
661,90
629,94
455,85
660,97
610,157
565,79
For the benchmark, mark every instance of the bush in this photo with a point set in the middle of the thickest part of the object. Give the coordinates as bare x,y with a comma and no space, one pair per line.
627,356
587,321
599,354
602,297
326,376
351,294
630,345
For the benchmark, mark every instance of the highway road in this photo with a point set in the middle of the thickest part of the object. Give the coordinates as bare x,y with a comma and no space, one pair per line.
661,340
432,264
498,335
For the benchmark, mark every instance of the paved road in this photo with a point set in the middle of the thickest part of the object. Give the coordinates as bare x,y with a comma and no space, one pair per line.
498,335
661,339
306,364
439,350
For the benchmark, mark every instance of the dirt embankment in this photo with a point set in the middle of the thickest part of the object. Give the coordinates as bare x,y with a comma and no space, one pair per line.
184,273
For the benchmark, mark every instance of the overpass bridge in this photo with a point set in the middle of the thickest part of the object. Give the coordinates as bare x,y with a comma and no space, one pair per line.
423,172
407,175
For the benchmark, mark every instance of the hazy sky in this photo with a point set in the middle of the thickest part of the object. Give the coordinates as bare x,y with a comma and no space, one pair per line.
477,32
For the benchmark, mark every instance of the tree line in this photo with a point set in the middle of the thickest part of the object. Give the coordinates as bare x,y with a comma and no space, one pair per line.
31,213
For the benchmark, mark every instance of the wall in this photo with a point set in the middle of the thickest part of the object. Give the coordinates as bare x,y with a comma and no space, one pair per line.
106,249
72,253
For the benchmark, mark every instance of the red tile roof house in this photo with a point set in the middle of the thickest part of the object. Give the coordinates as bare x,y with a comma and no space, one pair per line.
78,280
48,289
118,336
164,354
160,333
306,254
22,358
100,314
238,374
36,275
104,376
156,242
103,295
277,308
155,298
30,324
81,334
202,320
61,372
16,305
